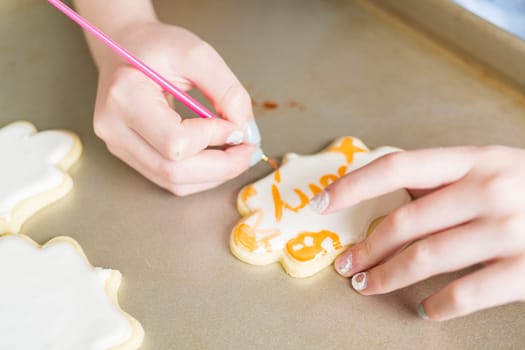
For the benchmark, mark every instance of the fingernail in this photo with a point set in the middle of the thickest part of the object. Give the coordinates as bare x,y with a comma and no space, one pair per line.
360,281
421,312
320,202
256,156
253,135
343,264
235,138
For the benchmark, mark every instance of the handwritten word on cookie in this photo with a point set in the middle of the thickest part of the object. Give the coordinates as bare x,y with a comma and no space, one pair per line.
278,225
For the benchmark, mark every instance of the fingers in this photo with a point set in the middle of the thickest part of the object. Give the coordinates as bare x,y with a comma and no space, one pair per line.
442,252
215,79
414,220
177,140
424,169
134,118
490,286
467,212
186,190
149,115
212,165
137,153
205,170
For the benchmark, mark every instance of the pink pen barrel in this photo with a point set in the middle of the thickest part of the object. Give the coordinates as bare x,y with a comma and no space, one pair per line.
180,95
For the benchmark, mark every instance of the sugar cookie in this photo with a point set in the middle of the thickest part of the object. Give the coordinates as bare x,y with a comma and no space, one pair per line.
278,224
33,175
52,298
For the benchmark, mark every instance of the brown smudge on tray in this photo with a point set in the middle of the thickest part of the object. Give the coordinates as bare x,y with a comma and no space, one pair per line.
297,105
270,105
264,106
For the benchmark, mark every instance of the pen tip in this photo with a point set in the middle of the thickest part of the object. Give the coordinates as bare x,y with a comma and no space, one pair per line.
270,161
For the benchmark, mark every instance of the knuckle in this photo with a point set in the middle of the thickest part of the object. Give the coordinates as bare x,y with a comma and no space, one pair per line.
100,128
201,51
112,149
236,96
491,151
124,88
115,91
392,162
175,176
120,73
521,262
174,147
171,173
496,188
512,227
399,219
419,255
366,247
459,298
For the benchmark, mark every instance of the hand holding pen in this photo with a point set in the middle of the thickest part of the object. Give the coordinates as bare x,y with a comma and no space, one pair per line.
133,117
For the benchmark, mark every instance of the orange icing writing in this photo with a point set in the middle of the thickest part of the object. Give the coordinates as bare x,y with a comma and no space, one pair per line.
277,176
280,204
347,148
308,245
342,171
245,235
247,192
252,238
315,189
328,179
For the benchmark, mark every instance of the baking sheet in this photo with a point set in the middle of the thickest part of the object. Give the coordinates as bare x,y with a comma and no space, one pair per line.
333,68
486,43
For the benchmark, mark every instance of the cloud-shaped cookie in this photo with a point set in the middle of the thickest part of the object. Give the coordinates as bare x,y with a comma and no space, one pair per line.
33,174
52,298
278,224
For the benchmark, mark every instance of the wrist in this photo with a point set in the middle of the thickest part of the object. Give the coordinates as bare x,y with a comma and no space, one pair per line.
112,16
115,18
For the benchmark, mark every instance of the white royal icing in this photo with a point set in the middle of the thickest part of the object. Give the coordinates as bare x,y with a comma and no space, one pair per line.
29,163
52,298
298,173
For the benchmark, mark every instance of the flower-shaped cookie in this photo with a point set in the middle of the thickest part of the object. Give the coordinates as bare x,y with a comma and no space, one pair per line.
52,298
33,171
278,224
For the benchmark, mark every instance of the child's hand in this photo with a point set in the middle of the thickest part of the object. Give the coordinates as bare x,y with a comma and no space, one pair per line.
133,117
469,209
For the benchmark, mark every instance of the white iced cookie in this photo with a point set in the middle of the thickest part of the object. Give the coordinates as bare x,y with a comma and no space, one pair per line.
52,298
278,224
33,174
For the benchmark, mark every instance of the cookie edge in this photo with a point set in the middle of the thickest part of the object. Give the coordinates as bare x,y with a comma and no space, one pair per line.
111,287
30,206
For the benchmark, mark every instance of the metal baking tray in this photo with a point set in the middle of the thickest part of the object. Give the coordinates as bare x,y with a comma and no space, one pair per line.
317,70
